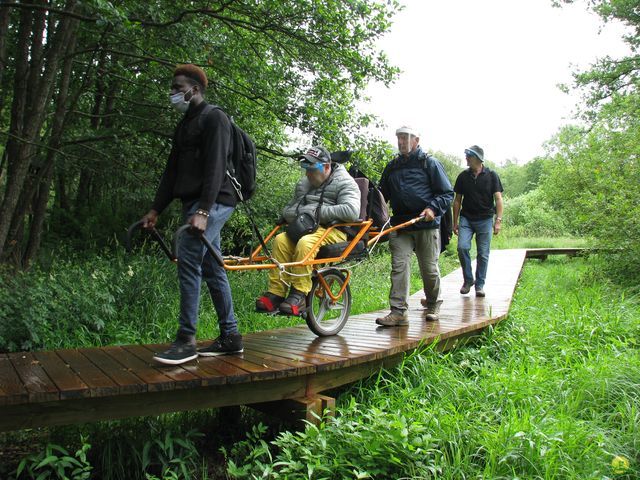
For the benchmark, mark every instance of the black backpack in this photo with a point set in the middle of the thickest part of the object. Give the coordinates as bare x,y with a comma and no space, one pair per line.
377,209
243,166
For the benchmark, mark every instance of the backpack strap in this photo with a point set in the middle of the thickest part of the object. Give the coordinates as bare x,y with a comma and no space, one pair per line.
234,182
425,159
230,168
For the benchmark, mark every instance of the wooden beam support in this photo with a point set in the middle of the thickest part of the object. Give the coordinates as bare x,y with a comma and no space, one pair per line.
292,410
299,410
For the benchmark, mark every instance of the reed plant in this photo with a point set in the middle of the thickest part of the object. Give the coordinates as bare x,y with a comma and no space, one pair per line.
552,392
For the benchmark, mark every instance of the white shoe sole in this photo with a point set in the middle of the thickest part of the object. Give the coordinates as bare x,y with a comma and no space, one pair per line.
167,361
215,354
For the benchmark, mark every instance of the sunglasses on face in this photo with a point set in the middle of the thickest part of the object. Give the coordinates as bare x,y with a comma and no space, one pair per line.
312,166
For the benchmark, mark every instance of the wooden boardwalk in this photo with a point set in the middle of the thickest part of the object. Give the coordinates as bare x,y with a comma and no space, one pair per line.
88,384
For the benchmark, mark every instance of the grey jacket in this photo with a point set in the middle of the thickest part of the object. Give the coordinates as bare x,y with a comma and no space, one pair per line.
341,200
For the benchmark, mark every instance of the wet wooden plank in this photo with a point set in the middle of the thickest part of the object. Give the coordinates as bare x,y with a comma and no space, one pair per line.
153,376
321,360
128,382
65,379
98,382
254,365
300,365
289,352
182,378
36,382
12,390
233,374
338,343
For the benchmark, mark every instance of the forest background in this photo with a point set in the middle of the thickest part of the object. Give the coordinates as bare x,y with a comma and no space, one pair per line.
85,129
85,123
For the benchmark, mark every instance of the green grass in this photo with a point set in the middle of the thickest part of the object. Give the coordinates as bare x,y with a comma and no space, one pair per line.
506,241
553,392
115,299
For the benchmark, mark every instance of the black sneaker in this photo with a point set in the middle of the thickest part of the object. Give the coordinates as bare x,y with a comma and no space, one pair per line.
295,303
268,303
181,350
223,346
466,287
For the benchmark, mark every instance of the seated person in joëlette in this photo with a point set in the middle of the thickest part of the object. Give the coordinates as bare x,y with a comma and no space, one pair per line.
329,194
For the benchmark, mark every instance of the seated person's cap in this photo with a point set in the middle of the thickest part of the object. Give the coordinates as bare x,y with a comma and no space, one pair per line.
407,129
313,156
475,151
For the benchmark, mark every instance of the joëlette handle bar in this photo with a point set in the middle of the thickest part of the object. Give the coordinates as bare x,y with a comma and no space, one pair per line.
216,255
393,229
156,236
220,260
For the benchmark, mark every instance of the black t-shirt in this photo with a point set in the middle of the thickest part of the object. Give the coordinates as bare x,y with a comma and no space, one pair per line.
477,193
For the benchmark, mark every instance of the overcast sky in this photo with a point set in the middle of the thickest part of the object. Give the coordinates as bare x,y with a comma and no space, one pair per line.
486,72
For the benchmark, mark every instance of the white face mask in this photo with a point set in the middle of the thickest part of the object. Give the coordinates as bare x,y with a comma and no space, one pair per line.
178,102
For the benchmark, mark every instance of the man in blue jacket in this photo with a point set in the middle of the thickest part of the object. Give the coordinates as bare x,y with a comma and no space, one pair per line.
416,185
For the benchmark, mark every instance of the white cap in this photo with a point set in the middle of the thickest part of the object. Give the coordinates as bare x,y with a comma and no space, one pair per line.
409,130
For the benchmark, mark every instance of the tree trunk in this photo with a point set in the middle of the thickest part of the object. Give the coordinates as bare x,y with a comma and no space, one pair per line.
27,133
62,196
12,147
4,33
86,174
39,213
44,188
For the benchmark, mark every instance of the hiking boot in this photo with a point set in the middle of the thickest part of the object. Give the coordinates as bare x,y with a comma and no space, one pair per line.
181,350
431,310
479,292
223,346
466,288
268,302
295,303
394,319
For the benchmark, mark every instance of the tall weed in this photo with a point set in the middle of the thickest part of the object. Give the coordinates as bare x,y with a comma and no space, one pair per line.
550,393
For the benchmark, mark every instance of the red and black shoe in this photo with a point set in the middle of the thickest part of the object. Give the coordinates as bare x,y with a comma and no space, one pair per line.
268,303
295,303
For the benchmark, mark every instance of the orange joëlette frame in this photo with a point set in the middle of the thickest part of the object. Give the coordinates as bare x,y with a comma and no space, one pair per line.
258,261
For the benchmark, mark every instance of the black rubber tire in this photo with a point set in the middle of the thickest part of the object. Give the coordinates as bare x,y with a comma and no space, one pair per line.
321,312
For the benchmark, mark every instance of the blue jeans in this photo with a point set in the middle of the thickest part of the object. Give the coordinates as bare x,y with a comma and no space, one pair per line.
483,230
196,264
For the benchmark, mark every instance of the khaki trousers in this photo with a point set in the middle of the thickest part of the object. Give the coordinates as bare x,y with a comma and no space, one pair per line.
426,245
284,250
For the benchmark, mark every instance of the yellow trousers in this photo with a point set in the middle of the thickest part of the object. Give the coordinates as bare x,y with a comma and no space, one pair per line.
284,251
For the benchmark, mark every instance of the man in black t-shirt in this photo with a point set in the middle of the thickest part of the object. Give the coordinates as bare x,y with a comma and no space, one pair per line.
479,194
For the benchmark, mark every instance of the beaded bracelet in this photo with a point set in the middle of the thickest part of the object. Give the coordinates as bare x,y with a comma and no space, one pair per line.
204,213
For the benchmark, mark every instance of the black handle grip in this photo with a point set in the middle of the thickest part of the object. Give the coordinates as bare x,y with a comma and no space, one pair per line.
132,228
156,236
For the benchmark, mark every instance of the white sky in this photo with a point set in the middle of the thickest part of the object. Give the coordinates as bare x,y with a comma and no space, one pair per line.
486,72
